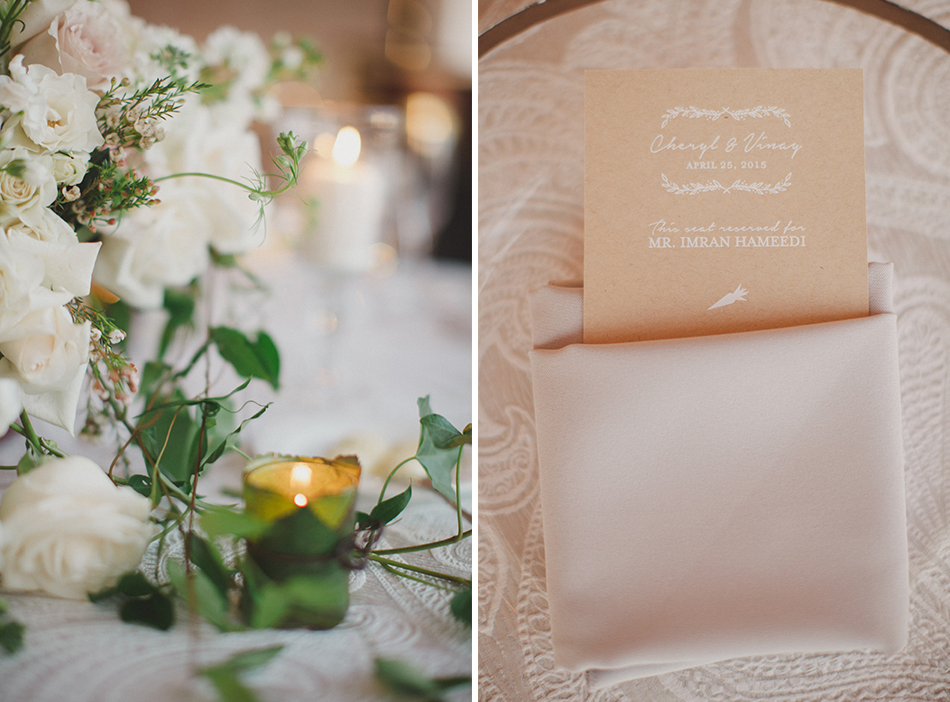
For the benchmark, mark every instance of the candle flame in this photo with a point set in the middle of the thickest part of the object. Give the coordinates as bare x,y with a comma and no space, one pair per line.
346,148
300,476
300,500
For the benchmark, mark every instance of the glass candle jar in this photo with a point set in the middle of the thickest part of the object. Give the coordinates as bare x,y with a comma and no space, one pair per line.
308,504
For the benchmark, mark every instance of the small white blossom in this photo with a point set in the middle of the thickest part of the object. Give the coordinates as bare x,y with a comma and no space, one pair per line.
71,194
113,116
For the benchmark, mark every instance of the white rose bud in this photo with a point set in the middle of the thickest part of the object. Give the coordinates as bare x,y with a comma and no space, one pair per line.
68,530
69,169
24,196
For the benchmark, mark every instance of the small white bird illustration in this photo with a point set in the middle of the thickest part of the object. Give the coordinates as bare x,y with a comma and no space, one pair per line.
737,296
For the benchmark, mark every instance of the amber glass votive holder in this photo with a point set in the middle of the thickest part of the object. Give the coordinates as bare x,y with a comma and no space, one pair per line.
308,504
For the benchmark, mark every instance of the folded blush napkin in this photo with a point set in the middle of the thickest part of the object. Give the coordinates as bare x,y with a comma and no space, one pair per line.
720,496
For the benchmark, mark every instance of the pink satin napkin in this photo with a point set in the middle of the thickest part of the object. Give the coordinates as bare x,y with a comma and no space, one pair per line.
720,496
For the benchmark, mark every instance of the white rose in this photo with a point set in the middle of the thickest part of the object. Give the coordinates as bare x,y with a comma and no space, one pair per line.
22,291
203,140
156,247
68,264
10,404
24,198
60,114
88,40
36,18
49,365
69,169
68,530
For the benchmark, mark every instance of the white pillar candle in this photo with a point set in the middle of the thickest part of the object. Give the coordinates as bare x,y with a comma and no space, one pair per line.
351,197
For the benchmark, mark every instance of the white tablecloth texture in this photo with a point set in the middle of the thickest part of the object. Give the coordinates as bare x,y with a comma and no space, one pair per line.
531,169
398,337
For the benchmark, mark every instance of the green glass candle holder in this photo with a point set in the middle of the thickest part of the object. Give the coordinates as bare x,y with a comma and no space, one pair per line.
308,503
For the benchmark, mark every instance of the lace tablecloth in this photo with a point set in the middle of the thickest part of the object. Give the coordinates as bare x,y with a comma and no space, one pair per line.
401,337
531,154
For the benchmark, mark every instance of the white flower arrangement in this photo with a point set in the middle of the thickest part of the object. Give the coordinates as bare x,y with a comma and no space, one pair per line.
87,100
96,106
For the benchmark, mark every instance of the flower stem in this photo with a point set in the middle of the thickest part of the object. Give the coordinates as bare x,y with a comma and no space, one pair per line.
390,569
40,445
419,569
428,546
29,432
389,477
239,184
458,492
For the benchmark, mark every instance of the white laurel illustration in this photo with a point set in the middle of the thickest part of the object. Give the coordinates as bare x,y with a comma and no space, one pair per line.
736,296
713,115
714,185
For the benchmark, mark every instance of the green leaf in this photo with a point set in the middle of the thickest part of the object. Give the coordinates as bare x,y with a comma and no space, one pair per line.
220,521
134,584
363,520
206,556
181,309
387,510
461,606
267,352
246,660
174,429
435,452
225,676
142,484
271,605
156,611
301,532
201,594
11,636
151,374
223,260
464,438
229,686
250,359
229,439
27,463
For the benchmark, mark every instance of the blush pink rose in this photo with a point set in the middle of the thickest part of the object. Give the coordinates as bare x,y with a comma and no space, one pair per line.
88,39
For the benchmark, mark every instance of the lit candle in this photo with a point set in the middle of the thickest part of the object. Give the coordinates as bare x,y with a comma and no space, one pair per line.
308,503
351,197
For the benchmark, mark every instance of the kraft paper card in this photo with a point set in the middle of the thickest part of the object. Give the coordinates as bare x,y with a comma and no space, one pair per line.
722,200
